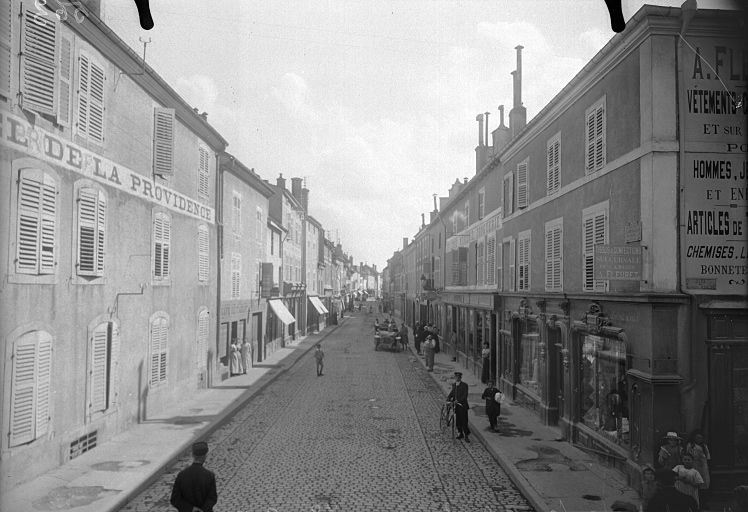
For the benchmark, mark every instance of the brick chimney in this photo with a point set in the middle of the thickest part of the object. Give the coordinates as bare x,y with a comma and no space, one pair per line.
405,242
296,188
305,199
518,114
281,181
502,134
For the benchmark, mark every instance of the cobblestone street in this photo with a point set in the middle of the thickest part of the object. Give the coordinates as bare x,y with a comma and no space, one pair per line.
365,436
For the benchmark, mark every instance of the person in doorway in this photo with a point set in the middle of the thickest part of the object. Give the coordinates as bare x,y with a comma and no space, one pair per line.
194,489
404,336
459,394
246,353
319,356
485,375
235,364
687,478
493,408
428,349
437,346
700,451
668,498
670,452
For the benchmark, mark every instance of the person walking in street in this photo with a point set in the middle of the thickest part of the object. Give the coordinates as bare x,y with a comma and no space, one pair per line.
687,478
417,338
235,364
246,352
404,336
486,357
319,356
428,350
437,345
700,451
194,489
459,394
493,408
670,452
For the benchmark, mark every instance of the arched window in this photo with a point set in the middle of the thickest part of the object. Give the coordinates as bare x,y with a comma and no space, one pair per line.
32,365
103,350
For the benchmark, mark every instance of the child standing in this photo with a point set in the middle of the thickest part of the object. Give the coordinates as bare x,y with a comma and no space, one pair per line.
670,452
649,485
319,355
698,448
493,408
687,478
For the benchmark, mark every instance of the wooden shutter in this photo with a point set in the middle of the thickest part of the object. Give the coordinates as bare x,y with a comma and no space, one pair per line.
554,166
90,99
6,44
491,261
159,343
43,378
524,264
236,274
22,413
595,138
100,234
481,262
512,265
463,270
590,142
437,272
203,185
500,265
522,185
162,246
163,141
99,369
203,323
39,63
91,232
203,253
557,275
37,220
65,85
594,232
549,259
455,267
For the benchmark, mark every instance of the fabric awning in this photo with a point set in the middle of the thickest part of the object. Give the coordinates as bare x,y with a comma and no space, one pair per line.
282,312
321,309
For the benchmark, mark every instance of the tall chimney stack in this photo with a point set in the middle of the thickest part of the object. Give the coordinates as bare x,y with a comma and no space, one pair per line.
423,219
518,114
502,134
281,181
487,114
305,199
435,207
405,242
296,188
479,118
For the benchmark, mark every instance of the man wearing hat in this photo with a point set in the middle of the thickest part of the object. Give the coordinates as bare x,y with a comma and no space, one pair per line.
459,394
195,487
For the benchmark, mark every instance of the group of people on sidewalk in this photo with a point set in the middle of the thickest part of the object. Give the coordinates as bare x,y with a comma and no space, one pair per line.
241,357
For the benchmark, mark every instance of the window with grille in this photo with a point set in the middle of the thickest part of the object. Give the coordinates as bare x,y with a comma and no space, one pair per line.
203,325
36,236
554,256
90,112
594,127
522,197
594,232
29,387
159,349
236,274
92,208
203,253
203,173
163,141
523,255
554,164
103,349
39,58
161,246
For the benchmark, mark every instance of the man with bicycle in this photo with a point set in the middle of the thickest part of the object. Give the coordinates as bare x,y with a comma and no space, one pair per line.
459,395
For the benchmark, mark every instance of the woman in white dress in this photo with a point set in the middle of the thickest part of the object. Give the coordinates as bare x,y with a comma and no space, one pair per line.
246,352
687,478
235,366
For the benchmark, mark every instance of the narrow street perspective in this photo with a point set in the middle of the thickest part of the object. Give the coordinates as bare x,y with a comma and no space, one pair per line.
364,436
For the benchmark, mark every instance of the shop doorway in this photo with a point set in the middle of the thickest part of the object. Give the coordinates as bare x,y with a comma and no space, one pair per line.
492,329
556,369
257,335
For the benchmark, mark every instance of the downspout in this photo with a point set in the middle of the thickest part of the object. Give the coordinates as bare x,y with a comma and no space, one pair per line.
688,11
219,253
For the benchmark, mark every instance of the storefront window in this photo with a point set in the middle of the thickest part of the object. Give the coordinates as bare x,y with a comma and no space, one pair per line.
740,404
604,400
470,333
529,358
478,333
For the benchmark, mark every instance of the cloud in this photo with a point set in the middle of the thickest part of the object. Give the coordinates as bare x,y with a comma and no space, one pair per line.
596,38
292,93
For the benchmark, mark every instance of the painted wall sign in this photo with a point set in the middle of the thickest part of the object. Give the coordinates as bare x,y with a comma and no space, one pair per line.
486,226
618,263
17,133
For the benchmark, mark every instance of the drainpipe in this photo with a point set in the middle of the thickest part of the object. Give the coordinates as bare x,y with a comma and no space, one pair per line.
219,238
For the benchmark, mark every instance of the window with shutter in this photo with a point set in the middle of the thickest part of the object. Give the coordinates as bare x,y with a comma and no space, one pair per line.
237,220
481,203
163,141
595,137
554,164
512,259
90,111
455,267
203,253
467,213
30,383
161,246
258,226
437,272
6,62
463,256
159,346
522,198
594,232
491,260
39,63
203,173
91,232
100,358
500,265
37,223
480,262
65,87
236,274
554,256
523,283
203,323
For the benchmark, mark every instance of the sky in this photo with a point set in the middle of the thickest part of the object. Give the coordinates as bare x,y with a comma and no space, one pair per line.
373,103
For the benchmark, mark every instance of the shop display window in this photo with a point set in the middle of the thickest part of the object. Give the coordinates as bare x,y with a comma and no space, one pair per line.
604,400
740,404
530,374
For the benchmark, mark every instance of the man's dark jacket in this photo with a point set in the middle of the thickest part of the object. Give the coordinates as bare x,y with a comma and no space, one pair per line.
194,486
460,394
670,499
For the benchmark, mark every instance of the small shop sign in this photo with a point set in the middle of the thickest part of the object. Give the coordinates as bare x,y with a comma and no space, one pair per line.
618,263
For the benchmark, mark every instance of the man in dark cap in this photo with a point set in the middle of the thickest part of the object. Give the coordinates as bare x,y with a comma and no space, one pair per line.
459,394
195,487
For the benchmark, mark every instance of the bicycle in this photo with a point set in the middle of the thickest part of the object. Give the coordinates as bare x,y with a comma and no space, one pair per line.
447,417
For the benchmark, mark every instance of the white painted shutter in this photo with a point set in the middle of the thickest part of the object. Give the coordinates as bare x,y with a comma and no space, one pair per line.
43,377
96,104
512,266
87,225
100,234
203,174
203,323
499,266
557,277
236,274
37,214
594,231
491,261
6,59
99,368
524,264
159,342
39,63
522,185
600,238
481,262
203,253
549,259
65,87
163,141
590,142
599,137
511,193
554,167
162,246
22,413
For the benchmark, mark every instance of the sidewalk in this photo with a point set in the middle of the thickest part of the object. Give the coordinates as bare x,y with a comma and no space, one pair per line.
551,473
108,476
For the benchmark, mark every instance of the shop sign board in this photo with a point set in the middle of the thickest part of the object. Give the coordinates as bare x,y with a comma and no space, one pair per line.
618,263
